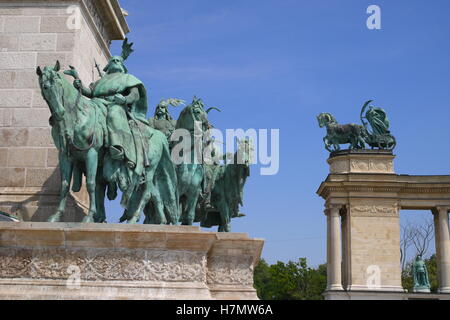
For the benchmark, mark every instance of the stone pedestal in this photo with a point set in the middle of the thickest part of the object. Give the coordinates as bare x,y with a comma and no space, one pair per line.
37,33
361,161
95,261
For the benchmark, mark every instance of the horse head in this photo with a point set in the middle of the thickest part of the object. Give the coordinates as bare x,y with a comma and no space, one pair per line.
194,116
51,85
325,119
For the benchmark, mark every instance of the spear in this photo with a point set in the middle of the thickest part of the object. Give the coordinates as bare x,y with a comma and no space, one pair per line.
98,69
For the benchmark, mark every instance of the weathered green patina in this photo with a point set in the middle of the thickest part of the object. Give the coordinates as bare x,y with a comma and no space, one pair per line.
191,173
420,275
79,132
162,120
379,136
227,193
101,132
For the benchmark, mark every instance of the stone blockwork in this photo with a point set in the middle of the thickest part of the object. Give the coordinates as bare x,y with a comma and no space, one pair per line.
99,261
37,33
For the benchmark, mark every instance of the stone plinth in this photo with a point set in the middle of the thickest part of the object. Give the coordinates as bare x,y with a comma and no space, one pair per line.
37,33
361,161
102,261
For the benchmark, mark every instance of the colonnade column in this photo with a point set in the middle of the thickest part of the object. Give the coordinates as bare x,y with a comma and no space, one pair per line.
334,246
442,236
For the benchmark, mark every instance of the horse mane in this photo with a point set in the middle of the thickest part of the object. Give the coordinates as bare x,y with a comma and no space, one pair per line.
182,118
330,116
69,88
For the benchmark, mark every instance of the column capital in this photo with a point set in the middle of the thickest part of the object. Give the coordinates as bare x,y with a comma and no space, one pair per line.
333,209
441,209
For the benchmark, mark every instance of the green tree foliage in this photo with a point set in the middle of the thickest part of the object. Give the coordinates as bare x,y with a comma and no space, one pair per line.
432,273
290,281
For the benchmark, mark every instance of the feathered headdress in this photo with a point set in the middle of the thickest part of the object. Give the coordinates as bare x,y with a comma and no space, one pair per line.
127,49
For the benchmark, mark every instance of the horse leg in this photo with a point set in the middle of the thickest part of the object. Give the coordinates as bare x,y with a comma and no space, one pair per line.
91,174
146,194
361,142
142,202
149,213
182,200
66,170
100,191
124,216
191,205
224,217
353,143
193,195
159,208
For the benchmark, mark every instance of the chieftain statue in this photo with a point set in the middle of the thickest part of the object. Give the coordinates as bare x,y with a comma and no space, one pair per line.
101,131
379,136
227,189
420,275
162,120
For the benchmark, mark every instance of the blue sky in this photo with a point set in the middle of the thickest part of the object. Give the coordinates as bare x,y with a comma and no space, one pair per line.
278,64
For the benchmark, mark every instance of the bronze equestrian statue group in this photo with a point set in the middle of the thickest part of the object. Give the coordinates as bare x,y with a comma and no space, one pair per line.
102,133
357,136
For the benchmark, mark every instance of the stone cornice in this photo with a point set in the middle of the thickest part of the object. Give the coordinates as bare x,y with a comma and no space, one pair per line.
395,184
107,21
117,25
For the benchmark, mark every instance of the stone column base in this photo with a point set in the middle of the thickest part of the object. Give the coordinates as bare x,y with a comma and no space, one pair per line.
363,288
444,290
101,261
335,287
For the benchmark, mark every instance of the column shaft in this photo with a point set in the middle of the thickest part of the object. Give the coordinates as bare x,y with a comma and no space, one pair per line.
335,250
443,249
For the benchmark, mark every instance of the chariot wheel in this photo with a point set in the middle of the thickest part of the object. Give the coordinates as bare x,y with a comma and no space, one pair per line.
392,144
387,142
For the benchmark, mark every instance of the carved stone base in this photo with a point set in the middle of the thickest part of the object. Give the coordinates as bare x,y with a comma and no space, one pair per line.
91,261
361,161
